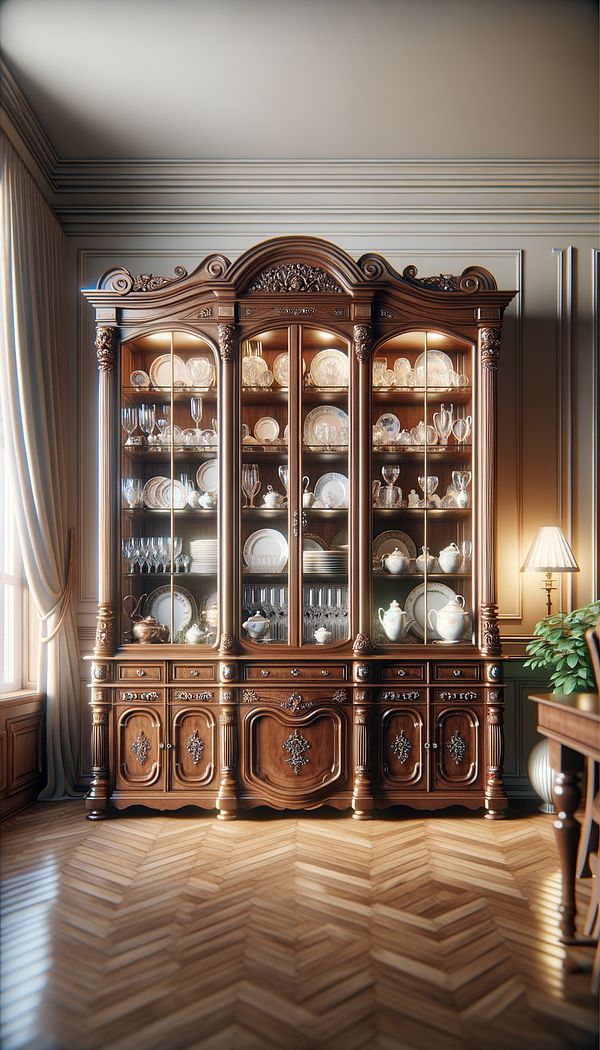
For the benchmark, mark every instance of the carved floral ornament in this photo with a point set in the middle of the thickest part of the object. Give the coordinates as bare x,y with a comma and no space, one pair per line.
106,347
226,343
296,745
195,747
294,278
489,341
401,746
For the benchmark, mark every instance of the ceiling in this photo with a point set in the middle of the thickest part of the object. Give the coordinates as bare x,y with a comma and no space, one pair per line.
308,79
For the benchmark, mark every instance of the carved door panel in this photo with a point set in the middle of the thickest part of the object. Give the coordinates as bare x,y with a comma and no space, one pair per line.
402,735
455,746
292,759
140,741
193,747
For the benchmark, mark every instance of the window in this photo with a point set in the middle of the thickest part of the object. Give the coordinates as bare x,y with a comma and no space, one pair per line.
11,585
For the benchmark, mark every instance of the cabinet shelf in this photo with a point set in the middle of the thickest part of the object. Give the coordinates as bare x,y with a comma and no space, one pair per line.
416,395
163,455
162,394
184,514
421,576
168,575
414,512
410,453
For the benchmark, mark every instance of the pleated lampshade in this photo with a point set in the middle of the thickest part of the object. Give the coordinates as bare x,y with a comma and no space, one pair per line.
550,552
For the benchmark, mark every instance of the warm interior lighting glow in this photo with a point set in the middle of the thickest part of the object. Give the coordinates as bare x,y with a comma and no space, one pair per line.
550,552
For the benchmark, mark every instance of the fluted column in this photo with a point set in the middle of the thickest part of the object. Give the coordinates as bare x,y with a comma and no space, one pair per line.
489,348
227,488
97,798
362,475
106,625
362,794
227,795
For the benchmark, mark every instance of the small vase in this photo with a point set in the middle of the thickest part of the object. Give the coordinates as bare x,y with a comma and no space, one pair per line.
540,774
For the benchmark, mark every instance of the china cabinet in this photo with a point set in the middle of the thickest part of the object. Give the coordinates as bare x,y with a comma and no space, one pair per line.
296,536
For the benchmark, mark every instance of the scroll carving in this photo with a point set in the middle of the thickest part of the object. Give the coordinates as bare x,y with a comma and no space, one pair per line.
105,630
226,342
402,747
489,341
121,281
473,279
490,634
294,277
457,747
106,347
226,643
296,745
362,341
100,672
195,746
295,703
362,644
141,747
249,696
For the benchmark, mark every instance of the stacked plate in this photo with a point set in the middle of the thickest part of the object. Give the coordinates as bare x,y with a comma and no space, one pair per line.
325,563
204,556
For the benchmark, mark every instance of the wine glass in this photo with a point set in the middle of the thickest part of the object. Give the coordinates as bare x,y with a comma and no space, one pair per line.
196,412
132,492
284,476
428,484
442,422
390,473
147,418
129,552
461,429
461,480
129,420
250,482
162,422
466,550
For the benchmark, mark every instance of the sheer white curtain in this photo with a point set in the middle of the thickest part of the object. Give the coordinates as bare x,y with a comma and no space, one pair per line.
32,389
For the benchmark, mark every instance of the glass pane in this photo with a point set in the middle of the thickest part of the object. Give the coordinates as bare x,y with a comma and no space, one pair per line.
422,490
169,487
264,479
325,488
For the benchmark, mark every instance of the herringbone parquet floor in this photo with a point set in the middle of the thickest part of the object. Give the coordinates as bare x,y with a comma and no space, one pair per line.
151,932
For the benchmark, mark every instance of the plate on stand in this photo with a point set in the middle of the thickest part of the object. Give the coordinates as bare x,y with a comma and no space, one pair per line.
420,602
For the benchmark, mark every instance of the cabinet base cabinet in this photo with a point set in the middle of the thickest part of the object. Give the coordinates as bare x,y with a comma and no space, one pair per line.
298,747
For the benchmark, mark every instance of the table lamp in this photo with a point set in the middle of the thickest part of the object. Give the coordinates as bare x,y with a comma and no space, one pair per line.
550,552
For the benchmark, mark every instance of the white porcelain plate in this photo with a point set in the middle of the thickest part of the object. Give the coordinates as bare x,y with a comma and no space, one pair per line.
439,368
266,550
332,490
390,424
200,371
266,429
387,541
331,415
207,476
312,542
419,602
149,492
252,369
329,368
185,609
281,369
162,371
139,378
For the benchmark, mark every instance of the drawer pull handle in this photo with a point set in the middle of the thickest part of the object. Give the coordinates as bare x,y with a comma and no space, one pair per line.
325,673
458,696
295,671
194,673
457,672
264,673
140,673
401,672
169,746
426,746
434,747
161,746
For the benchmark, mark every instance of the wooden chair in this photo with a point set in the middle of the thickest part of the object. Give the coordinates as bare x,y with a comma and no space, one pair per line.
588,859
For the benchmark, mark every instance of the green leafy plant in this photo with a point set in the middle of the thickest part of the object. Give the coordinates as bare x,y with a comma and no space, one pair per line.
559,643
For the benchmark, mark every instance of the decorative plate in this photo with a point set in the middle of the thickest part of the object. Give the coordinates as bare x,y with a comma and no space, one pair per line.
333,490
266,550
401,370
207,476
329,368
339,541
418,604
185,609
139,378
312,542
386,541
328,414
162,372
200,371
252,369
281,369
149,492
439,368
389,424
266,429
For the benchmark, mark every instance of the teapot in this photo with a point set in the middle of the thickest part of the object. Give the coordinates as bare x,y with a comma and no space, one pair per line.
395,622
208,500
449,558
323,636
272,498
257,626
194,500
150,630
425,559
451,620
195,635
308,498
395,562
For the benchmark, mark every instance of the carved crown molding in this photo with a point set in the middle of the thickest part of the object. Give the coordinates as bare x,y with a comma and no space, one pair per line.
294,278
473,279
121,281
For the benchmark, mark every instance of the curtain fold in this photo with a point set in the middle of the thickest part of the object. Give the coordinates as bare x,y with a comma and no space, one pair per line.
33,393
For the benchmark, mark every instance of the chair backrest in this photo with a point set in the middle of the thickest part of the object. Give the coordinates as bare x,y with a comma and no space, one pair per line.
592,638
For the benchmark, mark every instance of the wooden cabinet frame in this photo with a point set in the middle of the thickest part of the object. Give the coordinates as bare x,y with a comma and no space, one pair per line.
296,286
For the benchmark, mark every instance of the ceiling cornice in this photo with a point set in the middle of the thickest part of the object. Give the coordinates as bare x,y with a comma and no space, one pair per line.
23,128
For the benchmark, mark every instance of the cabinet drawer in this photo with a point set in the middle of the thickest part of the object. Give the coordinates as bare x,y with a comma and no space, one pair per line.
464,695
142,695
456,673
135,673
403,673
298,701
192,673
402,696
296,673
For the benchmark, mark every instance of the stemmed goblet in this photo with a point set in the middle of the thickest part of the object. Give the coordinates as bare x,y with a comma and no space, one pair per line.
250,482
147,418
390,497
130,552
196,412
284,477
162,422
461,480
442,422
428,484
132,489
461,429
129,420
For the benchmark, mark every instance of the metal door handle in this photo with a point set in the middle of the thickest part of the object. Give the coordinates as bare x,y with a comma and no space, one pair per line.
140,673
427,746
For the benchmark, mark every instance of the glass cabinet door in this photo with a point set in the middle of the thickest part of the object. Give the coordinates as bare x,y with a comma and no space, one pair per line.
169,488
422,495
266,373
324,496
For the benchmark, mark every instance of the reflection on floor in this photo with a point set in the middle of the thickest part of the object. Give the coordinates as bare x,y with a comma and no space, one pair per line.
151,932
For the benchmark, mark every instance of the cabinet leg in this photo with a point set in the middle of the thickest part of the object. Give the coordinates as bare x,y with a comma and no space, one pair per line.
566,796
227,796
97,799
496,800
362,795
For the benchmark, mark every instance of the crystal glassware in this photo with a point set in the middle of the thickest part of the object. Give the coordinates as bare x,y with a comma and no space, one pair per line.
461,479
132,489
129,420
147,419
442,422
428,484
390,473
466,551
196,412
284,476
461,428
250,482
130,552
163,420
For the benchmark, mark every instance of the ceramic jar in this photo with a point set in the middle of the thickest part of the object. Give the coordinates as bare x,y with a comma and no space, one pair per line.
450,621
271,498
257,626
395,562
149,630
425,560
449,558
323,636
